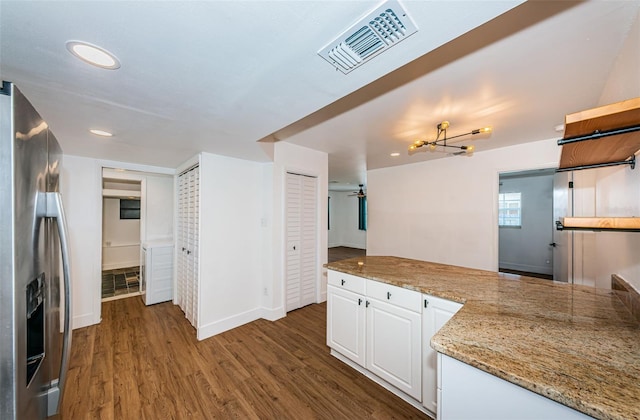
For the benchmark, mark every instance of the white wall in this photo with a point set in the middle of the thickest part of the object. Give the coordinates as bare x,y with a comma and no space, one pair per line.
623,82
159,195
344,221
230,243
526,247
120,237
81,187
453,220
613,191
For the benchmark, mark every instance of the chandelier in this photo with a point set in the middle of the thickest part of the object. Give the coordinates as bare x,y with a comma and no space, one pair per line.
441,140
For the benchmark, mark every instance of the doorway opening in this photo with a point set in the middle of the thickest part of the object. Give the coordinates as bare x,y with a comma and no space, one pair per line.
121,233
347,221
525,223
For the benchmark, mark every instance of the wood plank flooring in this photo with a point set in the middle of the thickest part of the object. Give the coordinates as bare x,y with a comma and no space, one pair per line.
146,363
343,252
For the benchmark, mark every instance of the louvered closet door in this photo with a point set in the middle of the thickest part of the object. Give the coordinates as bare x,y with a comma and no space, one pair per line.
188,243
301,240
181,241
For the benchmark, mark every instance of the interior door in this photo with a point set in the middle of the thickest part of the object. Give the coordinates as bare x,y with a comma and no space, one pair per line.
301,271
188,243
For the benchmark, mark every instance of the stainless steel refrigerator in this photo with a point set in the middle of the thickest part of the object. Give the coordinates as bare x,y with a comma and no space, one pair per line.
35,334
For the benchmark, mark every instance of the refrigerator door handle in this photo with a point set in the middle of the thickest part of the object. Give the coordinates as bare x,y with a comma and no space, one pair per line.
55,210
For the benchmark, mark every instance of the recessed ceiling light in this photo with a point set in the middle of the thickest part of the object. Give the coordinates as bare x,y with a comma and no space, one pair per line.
101,133
93,55
395,154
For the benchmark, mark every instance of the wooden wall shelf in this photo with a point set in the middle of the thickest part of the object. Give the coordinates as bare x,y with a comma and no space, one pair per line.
601,150
621,224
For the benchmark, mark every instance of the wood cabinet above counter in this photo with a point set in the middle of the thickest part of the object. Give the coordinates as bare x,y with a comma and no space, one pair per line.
603,136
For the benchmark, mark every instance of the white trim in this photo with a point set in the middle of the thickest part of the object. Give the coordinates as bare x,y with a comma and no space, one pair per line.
97,266
83,320
229,323
273,314
112,164
118,297
542,269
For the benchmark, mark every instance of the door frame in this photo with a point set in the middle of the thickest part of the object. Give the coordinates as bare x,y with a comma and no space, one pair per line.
495,189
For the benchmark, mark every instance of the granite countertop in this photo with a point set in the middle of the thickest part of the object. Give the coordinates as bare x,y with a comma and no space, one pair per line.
577,345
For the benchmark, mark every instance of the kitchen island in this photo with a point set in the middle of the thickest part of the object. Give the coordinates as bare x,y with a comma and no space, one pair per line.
576,345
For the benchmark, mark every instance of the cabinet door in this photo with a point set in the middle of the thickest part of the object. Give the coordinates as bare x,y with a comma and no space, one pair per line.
346,323
394,347
435,314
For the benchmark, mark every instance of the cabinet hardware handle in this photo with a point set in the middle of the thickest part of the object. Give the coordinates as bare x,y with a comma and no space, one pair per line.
188,252
294,247
388,295
342,282
359,302
183,249
426,302
367,304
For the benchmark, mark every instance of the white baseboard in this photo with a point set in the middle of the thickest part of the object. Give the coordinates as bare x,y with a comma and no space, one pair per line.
527,267
357,246
273,314
229,323
323,297
82,321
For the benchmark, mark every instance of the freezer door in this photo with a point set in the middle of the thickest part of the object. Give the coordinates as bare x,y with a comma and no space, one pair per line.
30,169
55,301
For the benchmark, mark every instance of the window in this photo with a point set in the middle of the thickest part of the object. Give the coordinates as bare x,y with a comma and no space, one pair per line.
129,209
510,209
362,213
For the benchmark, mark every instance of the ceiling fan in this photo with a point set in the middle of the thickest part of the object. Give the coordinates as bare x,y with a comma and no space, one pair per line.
360,193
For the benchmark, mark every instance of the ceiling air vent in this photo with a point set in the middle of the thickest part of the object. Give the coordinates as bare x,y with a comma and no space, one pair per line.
378,31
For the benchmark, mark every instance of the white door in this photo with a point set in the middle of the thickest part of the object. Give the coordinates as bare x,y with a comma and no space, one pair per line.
346,323
301,239
187,243
393,346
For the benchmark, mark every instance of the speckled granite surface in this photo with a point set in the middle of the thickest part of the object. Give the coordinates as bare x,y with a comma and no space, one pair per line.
573,344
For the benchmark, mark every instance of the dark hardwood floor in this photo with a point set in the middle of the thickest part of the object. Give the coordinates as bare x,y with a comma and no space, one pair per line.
145,363
343,252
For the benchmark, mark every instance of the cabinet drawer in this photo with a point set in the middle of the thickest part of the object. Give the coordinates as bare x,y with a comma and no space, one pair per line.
346,281
395,295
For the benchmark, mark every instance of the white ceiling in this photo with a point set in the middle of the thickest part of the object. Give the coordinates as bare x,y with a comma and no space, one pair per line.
218,76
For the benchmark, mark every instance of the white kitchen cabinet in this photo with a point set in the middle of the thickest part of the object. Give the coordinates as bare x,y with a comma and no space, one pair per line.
346,316
156,273
435,313
468,392
394,346
377,326
346,323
